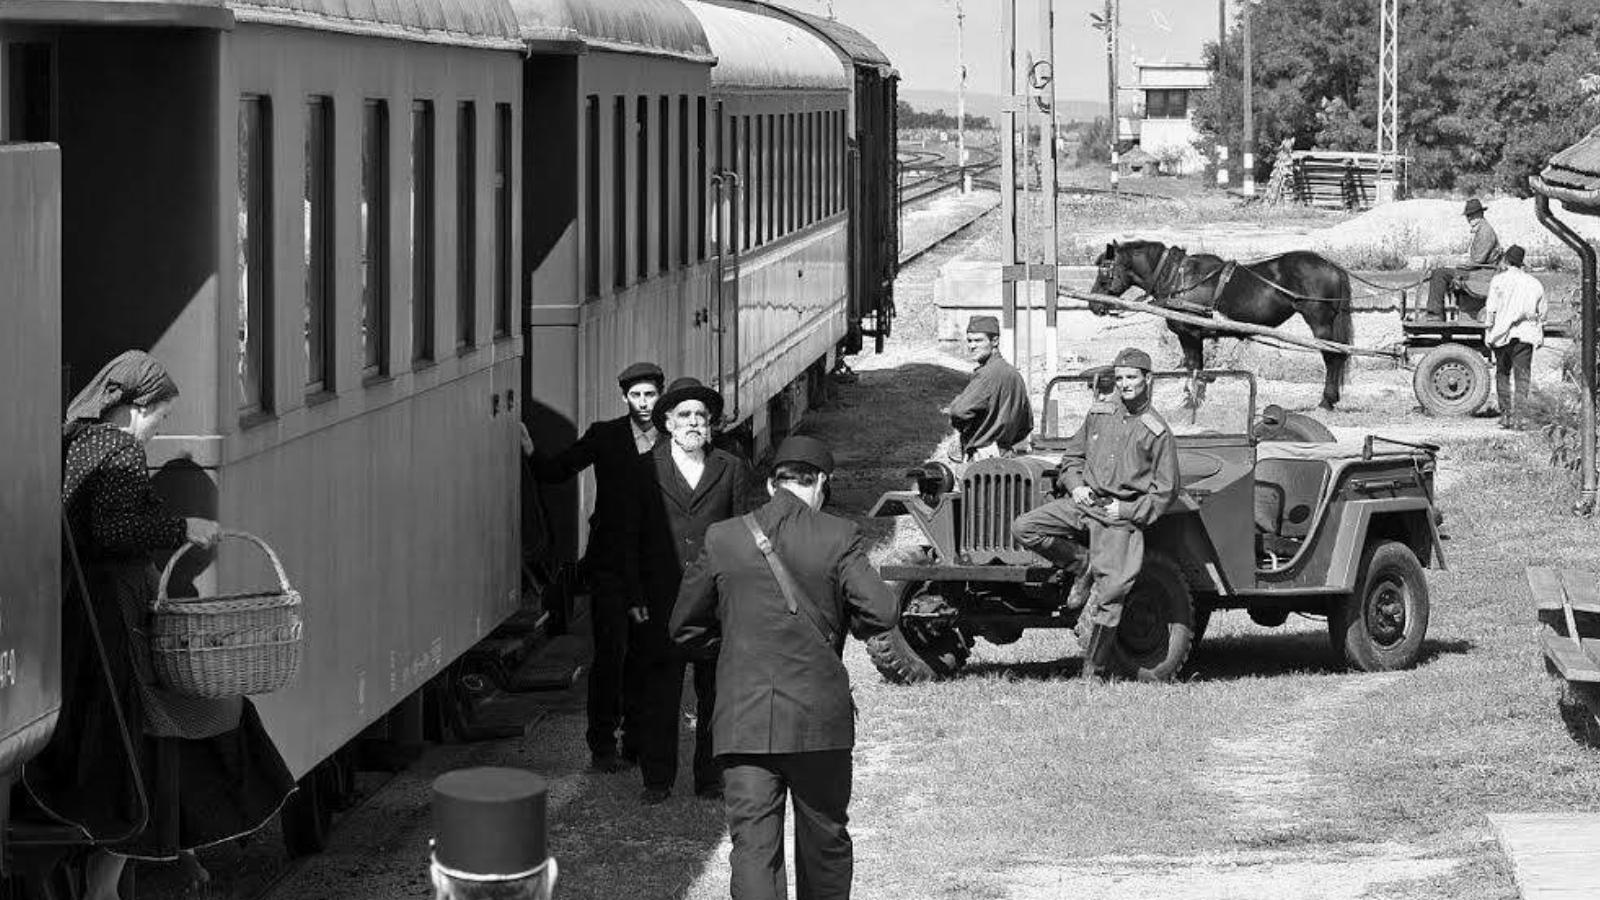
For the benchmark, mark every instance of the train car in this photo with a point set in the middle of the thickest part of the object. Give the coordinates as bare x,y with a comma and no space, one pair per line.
308,213
30,446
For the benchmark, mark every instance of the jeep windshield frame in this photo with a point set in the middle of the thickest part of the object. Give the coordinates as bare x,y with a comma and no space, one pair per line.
1226,415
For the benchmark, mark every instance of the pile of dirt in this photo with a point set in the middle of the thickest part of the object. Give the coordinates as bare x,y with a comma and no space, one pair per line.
1435,229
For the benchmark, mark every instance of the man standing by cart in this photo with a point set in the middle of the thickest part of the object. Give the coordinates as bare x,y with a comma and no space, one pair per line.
1513,328
613,447
1120,471
992,416
1483,254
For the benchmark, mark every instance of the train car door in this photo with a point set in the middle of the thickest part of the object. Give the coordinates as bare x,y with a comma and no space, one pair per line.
727,200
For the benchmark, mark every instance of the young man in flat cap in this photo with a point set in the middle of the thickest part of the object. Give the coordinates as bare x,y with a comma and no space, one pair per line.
1120,471
776,591
992,416
614,448
1514,325
1482,254
694,486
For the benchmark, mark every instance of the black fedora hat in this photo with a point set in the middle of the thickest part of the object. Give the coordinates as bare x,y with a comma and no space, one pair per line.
1474,207
682,389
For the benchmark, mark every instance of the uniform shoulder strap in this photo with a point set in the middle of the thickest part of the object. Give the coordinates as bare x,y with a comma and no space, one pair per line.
792,594
1153,422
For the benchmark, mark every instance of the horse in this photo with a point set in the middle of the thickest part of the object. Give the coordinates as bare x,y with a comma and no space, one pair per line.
1267,293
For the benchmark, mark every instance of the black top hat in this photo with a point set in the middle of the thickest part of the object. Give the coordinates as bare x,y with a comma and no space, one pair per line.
805,450
641,371
686,389
489,823
1474,208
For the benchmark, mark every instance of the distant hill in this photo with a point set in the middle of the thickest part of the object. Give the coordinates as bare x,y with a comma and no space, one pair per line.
984,104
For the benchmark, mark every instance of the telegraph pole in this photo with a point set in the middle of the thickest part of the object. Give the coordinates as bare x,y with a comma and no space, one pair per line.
1044,83
1249,150
1008,177
1116,117
1222,65
961,96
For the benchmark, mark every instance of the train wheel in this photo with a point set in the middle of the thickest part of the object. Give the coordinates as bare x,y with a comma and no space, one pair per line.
308,815
1452,380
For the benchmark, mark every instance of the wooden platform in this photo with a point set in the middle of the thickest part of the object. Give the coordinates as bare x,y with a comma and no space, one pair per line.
1554,856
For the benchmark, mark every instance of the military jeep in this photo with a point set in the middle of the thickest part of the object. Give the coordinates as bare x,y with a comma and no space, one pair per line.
1324,529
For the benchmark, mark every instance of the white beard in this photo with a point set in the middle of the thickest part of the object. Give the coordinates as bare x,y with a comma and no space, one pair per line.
690,441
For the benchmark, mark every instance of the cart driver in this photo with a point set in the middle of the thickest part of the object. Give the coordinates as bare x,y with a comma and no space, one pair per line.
992,416
1483,253
1120,472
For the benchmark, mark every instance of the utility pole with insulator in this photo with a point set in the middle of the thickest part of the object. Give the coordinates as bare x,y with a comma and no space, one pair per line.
1107,21
1248,151
961,96
1222,117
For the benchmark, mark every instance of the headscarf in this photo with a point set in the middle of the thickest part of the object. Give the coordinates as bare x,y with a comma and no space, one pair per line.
135,378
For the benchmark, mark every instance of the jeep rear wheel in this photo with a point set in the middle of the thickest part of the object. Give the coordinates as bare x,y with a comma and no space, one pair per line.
1157,630
922,647
1380,627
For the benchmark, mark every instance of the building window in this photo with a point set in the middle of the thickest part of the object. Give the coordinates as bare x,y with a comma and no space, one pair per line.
1166,104
685,194
422,245
466,226
502,220
30,92
317,214
255,254
619,194
374,238
591,196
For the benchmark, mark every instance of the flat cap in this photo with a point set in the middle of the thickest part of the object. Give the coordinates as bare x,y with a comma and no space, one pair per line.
641,371
489,823
806,450
1132,357
1474,207
989,325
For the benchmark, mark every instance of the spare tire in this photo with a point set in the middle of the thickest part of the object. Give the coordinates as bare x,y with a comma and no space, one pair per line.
1279,424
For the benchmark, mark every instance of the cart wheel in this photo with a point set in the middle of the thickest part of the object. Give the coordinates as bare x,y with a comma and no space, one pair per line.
1452,380
1380,627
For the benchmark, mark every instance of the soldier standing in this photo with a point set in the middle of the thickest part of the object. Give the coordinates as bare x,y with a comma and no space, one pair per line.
992,416
1120,471
614,448
776,590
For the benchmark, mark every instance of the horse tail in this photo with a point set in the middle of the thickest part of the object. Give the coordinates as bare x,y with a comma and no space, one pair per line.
1344,324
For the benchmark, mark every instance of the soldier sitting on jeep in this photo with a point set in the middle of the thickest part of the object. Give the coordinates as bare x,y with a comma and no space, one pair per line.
1120,472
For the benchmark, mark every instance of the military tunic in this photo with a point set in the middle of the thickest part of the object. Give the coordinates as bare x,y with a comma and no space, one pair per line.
1122,454
994,409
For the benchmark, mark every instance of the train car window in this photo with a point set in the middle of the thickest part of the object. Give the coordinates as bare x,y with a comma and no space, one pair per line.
502,220
30,92
825,149
619,194
466,226
758,182
317,215
255,254
813,166
702,196
741,140
422,231
664,184
786,174
591,195
770,158
685,183
642,186
841,143
792,145
374,239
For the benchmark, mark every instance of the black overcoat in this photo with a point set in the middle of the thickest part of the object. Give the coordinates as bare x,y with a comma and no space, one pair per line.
609,447
781,682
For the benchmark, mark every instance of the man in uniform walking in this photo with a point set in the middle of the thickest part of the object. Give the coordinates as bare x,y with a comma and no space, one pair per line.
1120,471
776,590
1482,254
1514,327
992,416
613,447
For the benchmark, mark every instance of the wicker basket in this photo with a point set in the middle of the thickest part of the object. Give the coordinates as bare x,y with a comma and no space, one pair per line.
228,646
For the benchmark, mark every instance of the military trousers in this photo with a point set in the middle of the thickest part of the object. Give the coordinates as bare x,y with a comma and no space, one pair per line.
1060,529
756,788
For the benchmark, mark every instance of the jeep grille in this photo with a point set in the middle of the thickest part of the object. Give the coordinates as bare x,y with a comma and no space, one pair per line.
994,492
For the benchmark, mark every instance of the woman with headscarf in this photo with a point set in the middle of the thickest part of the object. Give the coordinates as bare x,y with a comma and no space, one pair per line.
209,769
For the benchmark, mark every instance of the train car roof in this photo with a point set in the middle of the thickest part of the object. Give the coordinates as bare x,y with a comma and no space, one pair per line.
861,50
181,13
761,52
1573,176
472,23
649,27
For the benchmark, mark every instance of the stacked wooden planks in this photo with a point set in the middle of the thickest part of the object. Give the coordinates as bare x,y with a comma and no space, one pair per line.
1334,180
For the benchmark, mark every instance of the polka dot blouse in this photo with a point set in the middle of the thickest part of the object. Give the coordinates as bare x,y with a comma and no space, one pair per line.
110,499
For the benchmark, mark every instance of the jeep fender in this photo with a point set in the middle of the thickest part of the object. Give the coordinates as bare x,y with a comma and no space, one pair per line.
1408,520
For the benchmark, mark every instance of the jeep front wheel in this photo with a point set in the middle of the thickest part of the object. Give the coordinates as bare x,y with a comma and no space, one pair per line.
1380,627
924,646
1157,630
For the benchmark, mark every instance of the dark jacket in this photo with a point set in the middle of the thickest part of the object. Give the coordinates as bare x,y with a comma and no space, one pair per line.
994,408
781,686
609,447
670,520
1127,455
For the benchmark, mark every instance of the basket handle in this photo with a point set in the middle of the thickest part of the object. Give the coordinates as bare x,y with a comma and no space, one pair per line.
272,557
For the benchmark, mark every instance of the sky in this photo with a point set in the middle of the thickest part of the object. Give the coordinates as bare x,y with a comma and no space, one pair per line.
920,36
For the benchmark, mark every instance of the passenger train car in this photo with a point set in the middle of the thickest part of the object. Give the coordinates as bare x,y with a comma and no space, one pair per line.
367,240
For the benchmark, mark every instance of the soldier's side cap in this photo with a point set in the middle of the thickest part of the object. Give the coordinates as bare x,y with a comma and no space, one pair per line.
489,824
1132,357
641,371
989,325
806,450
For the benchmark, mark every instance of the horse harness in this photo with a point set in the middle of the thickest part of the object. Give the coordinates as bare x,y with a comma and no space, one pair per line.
1166,290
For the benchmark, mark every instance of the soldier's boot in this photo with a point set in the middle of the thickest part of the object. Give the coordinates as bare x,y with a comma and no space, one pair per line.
1097,654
